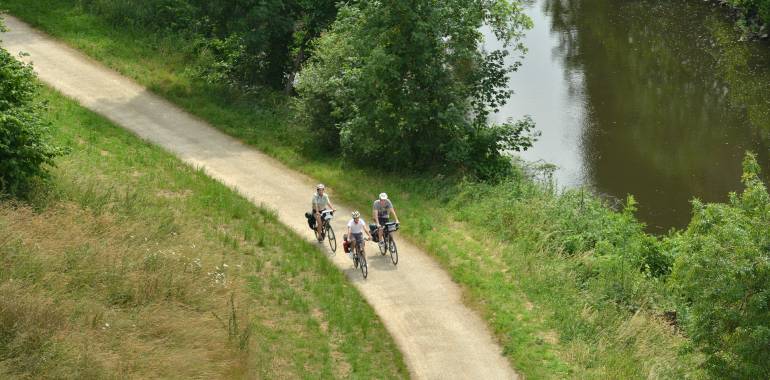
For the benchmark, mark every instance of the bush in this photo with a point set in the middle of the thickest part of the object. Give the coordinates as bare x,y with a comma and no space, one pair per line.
722,279
158,15
24,148
243,43
754,16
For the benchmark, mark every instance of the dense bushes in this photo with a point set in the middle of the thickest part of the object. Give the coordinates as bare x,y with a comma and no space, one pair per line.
406,81
722,279
24,148
244,43
754,15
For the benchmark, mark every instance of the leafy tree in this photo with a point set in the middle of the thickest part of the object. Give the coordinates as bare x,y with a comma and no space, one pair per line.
24,149
403,84
722,278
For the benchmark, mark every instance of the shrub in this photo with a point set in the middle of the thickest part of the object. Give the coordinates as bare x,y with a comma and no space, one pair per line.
24,148
722,279
243,43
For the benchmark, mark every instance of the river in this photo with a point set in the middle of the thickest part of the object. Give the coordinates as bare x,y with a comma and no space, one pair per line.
657,99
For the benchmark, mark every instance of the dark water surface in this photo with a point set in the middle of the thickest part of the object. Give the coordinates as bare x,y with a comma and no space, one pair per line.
657,99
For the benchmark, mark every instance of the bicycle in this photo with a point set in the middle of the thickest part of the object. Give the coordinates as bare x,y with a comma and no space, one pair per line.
388,243
327,232
359,259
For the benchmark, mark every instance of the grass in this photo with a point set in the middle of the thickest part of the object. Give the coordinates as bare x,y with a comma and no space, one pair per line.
549,324
133,265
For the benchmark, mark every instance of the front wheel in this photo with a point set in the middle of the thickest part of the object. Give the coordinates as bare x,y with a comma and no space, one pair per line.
332,238
362,265
393,250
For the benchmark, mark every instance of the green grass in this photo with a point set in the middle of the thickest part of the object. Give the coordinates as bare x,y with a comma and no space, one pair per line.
549,324
131,264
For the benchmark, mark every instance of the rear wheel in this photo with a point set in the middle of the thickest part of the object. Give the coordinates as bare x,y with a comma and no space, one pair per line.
332,238
315,231
393,250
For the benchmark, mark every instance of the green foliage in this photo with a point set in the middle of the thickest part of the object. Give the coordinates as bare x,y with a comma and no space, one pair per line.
722,279
243,43
157,15
754,15
403,85
24,147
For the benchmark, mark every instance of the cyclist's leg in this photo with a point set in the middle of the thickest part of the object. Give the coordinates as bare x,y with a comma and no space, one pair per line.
357,240
360,242
318,223
380,230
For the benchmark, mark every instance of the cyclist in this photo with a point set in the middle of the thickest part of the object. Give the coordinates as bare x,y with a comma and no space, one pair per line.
356,230
320,202
381,213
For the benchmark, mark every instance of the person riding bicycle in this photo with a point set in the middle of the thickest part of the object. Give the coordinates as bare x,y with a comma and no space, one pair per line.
320,203
356,230
381,213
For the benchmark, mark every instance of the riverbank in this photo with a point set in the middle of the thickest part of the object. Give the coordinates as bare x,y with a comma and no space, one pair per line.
570,287
131,264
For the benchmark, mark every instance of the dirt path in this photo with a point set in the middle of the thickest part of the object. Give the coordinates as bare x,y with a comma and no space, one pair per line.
417,301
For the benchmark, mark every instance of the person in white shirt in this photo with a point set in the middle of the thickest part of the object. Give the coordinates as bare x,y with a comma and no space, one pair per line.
356,229
320,202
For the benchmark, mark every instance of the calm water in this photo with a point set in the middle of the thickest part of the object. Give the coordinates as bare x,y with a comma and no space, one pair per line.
652,98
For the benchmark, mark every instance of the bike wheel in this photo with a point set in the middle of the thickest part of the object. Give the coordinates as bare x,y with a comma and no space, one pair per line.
332,238
393,251
364,267
315,231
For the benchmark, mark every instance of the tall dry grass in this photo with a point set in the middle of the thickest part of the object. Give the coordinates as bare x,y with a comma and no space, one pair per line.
79,298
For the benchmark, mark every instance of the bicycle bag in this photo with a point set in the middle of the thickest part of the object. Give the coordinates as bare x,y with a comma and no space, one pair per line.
310,220
373,231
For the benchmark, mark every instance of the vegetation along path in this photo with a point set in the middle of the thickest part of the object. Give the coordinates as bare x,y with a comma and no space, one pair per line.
417,301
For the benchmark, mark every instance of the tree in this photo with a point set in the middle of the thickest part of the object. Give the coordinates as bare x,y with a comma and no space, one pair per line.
403,84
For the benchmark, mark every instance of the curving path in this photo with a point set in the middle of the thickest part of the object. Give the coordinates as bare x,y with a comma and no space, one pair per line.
417,301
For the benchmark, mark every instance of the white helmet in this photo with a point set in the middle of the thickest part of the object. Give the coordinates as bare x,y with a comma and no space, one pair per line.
320,186
383,196
356,214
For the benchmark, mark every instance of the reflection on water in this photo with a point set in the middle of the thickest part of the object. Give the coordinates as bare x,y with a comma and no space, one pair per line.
651,98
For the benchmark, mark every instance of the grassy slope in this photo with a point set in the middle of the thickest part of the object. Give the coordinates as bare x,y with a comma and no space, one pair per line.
134,265
530,297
